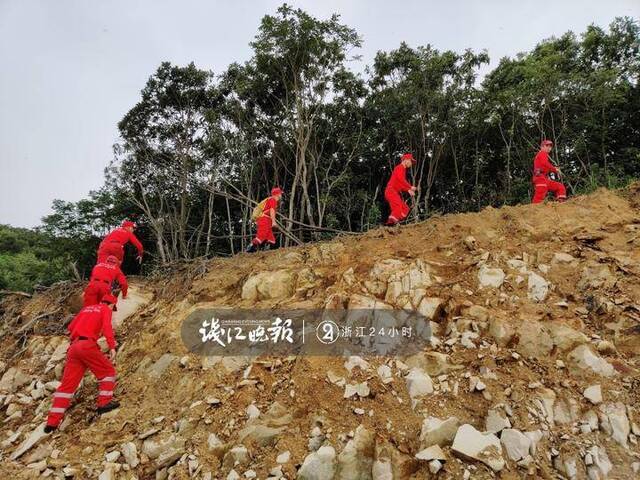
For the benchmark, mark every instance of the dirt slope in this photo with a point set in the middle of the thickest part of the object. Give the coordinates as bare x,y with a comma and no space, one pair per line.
559,312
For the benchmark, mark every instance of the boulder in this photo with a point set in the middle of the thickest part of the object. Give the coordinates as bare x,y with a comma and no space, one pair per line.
269,285
130,454
496,421
490,277
471,444
319,465
566,338
13,379
534,339
601,466
537,287
593,394
516,444
584,361
431,307
438,432
501,331
614,422
356,460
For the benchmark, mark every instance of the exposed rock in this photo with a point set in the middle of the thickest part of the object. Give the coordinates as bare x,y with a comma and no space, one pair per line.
355,361
130,454
490,277
596,275
537,287
566,338
283,457
238,455
431,307
614,422
360,389
320,465
269,285
356,460
434,452
385,374
593,394
565,411
438,432
601,465
501,331
516,444
33,439
496,421
471,444
260,434
13,379
583,360
433,363
160,366
419,384
561,257
535,340
534,437
166,448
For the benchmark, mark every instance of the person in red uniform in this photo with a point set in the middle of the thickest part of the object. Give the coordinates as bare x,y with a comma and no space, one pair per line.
397,184
266,221
545,174
85,329
101,282
114,242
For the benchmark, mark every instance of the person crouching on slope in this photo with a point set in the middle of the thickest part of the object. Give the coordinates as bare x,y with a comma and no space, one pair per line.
114,242
101,282
397,184
545,174
85,329
265,221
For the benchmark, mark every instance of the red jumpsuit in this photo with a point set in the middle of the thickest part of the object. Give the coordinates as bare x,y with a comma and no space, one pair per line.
265,228
541,181
102,277
392,193
114,242
85,329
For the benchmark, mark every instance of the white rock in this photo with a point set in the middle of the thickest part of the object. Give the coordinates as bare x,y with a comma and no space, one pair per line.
360,389
130,454
33,439
515,443
253,412
434,452
430,307
490,277
438,432
496,421
601,464
537,287
385,374
593,394
614,422
283,457
584,360
320,465
484,447
435,466
419,384
111,457
233,475
534,437
561,257
354,361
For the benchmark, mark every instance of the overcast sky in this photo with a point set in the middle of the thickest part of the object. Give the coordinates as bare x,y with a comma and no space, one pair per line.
70,70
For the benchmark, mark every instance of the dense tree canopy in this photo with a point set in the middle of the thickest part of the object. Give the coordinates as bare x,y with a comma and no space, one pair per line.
200,148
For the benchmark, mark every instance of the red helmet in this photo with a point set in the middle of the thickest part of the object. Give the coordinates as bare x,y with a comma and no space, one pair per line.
108,298
276,191
546,142
408,156
113,260
128,223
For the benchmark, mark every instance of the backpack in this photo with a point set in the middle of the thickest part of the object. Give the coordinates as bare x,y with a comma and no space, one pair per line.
258,210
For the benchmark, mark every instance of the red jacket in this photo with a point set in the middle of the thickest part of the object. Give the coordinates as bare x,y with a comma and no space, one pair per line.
93,322
107,273
542,166
122,236
398,180
270,204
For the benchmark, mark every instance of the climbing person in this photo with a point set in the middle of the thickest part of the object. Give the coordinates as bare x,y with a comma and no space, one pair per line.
397,184
101,281
546,175
265,217
85,329
114,242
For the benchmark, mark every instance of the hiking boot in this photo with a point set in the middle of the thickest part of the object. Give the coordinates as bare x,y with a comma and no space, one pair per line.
50,428
112,405
251,248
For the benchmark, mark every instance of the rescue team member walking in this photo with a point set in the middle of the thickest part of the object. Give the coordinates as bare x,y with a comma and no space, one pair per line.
265,221
545,174
101,282
114,242
397,184
85,329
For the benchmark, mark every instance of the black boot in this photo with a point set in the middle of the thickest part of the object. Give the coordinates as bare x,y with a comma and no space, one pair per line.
251,248
112,405
266,246
50,428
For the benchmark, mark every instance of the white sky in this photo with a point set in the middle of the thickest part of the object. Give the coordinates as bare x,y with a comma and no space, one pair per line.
70,70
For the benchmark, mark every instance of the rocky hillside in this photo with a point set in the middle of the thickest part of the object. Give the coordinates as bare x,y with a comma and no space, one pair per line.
532,370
